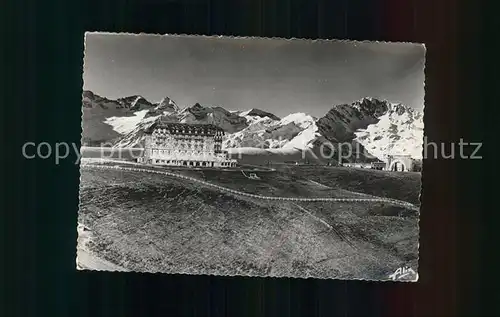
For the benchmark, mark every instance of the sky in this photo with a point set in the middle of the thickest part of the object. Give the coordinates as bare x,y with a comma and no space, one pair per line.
276,75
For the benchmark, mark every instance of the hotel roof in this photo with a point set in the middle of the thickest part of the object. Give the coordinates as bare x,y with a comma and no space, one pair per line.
184,128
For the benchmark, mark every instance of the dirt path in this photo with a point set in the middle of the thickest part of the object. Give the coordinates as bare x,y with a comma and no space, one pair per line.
235,192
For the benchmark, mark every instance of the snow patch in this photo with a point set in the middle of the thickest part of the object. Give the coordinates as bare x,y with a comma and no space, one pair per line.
394,134
301,119
306,137
124,125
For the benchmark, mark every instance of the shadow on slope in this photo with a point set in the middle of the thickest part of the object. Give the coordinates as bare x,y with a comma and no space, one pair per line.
153,223
396,185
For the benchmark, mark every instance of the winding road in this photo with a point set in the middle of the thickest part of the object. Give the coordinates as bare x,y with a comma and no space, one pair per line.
235,192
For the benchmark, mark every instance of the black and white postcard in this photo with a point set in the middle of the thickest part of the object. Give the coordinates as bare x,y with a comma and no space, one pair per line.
251,156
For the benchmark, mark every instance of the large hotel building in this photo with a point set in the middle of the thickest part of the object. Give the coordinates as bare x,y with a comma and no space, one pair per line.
182,144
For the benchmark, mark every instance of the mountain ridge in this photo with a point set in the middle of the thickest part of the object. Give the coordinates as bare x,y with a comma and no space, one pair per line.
375,127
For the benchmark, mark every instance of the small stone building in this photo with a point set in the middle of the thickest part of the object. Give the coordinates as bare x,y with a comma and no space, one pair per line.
401,163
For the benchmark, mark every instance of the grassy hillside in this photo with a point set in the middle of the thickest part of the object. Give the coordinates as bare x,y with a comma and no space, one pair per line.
150,222
402,186
311,181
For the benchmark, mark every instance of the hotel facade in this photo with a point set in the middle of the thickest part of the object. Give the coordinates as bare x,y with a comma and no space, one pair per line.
183,144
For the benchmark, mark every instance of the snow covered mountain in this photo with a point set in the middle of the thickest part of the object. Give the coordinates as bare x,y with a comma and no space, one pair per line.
106,120
269,132
375,126
229,121
398,131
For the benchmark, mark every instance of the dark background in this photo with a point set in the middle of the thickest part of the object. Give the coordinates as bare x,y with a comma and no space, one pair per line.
41,58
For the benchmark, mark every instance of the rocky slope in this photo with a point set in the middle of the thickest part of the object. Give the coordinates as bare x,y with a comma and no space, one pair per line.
229,121
295,130
373,127
106,121
400,130
95,111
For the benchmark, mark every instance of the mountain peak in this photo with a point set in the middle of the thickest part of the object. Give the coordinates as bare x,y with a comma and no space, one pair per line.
399,108
166,100
135,102
131,98
92,100
381,106
379,126
367,99
88,94
167,104
370,106
197,106
259,113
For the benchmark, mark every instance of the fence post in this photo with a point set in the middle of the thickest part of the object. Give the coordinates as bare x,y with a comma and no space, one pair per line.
134,169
